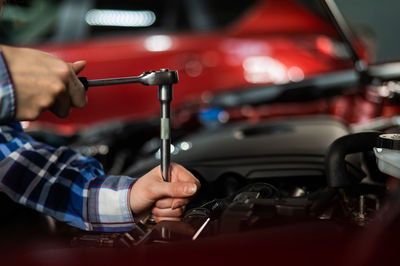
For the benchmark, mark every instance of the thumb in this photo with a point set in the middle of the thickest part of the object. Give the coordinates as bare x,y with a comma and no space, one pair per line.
178,189
78,66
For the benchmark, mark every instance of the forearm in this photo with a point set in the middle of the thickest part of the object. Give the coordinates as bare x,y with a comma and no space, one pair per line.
63,184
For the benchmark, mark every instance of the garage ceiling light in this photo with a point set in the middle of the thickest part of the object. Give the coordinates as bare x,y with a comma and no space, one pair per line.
120,18
158,43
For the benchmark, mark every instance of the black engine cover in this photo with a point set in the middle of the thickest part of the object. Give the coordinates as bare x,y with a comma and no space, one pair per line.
273,149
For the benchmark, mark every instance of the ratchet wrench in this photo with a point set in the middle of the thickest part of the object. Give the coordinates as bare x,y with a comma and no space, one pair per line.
164,79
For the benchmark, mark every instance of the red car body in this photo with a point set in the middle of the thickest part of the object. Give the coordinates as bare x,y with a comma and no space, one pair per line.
273,42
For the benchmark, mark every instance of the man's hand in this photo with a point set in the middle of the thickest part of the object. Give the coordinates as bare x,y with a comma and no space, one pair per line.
166,199
43,82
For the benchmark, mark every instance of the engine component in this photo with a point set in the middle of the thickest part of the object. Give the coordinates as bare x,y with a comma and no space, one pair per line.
387,152
138,235
339,173
269,150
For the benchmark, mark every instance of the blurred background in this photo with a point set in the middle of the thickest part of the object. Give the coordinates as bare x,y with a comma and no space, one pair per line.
27,22
216,46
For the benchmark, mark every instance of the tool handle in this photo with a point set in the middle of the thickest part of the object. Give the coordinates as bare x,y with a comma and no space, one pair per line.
84,82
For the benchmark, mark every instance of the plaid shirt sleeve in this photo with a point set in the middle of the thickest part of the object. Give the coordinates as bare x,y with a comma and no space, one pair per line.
7,100
62,183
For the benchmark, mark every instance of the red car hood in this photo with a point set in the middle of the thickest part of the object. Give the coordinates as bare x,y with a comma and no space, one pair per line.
265,46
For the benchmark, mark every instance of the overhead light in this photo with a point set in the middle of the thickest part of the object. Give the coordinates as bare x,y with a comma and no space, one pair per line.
158,43
120,18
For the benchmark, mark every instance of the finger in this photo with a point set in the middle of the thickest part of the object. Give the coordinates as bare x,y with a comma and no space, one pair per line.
159,219
61,106
171,203
177,203
181,174
78,66
76,89
174,190
167,212
164,203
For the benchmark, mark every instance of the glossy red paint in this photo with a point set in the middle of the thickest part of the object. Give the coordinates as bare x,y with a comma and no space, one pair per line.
281,17
274,42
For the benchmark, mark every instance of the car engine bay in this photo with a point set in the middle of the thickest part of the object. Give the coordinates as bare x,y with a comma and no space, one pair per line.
294,189
256,177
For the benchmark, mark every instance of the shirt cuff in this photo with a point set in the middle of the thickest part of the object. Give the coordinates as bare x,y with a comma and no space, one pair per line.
7,96
109,206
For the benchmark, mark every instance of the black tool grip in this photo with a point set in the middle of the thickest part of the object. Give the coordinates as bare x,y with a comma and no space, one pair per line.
84,82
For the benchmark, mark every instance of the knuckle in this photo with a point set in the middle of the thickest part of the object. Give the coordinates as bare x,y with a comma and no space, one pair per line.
156,212
31,114
34,113
57,87
63,71
179,212
44,102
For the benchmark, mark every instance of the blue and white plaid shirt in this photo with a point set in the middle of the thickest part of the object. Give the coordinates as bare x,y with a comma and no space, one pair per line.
7,101
59,182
